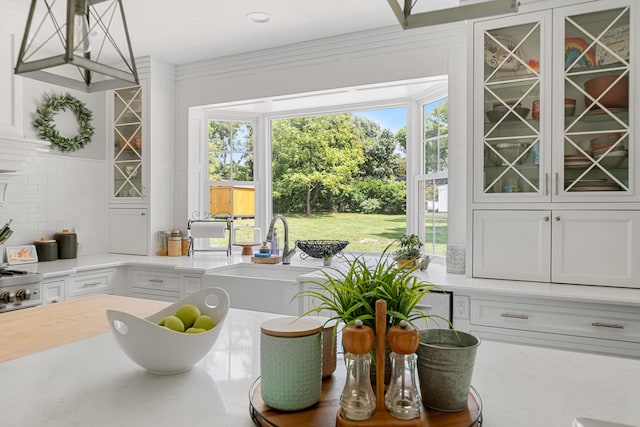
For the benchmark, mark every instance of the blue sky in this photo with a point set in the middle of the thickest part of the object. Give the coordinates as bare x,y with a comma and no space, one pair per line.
390,118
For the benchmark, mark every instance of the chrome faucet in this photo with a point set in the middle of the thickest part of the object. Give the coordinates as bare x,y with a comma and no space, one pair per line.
286,253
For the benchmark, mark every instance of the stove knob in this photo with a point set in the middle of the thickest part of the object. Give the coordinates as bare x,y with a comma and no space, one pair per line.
6,297
23,294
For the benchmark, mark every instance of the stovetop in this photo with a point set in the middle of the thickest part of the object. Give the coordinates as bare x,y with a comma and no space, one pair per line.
10,276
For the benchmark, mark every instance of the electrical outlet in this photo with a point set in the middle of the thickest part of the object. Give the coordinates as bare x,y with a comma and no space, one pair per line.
461,307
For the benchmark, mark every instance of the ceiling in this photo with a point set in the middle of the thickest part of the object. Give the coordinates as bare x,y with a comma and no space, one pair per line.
183,31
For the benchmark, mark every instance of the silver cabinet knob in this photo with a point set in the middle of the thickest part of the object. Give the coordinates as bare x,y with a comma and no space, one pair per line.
556,218
546,219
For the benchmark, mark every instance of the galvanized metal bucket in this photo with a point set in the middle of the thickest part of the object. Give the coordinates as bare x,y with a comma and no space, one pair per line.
445,365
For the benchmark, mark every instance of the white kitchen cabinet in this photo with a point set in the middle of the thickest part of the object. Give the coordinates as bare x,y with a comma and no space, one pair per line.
561,246
536,125
93,283
190,285
141,152
10,89
440,305
510,244
128,231
53,291
155,283
598,328
555,183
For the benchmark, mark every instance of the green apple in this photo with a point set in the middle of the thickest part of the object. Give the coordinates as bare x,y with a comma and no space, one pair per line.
204,322
173,323
188,313
195,331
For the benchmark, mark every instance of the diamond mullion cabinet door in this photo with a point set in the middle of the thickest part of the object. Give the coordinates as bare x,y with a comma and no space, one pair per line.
127,169
596,247
512,244
595,73
512,114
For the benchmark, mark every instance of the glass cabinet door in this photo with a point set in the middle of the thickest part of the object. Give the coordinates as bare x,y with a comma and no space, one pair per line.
596,126
127,139
511,94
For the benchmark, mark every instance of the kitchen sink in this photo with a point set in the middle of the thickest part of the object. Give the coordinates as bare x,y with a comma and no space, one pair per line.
263,271
261,287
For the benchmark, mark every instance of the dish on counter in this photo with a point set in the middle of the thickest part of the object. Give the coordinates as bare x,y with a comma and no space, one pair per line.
163,351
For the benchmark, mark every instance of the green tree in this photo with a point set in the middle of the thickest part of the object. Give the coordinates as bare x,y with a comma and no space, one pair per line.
230,151
436,130
315,160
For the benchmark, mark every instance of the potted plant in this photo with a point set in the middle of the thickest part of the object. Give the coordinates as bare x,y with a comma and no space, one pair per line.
326,258
409,253
350,293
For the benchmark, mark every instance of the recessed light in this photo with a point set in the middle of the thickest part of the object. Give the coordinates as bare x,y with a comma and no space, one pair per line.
258,17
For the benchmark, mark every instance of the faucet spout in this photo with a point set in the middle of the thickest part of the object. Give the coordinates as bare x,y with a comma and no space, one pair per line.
286,253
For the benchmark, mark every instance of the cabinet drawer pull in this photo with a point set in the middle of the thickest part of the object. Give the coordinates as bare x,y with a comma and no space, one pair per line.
514,315
607,325
546,218
557,179
424,306
86,285
156,280
556,218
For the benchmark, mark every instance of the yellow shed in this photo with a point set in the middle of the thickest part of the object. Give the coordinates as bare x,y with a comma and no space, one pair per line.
223,197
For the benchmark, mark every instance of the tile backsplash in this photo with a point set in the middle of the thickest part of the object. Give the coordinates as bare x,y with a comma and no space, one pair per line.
58,192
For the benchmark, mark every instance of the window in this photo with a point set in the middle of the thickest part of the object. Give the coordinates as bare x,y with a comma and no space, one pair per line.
342,176
433,181
231,177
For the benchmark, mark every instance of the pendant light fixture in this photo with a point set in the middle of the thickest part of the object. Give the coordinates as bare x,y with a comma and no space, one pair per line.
409,20
83,46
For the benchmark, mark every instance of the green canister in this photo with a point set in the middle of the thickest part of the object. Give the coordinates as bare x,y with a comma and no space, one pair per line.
291,362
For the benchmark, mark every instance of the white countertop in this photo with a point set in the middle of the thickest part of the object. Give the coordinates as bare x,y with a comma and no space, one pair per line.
201,263
92,383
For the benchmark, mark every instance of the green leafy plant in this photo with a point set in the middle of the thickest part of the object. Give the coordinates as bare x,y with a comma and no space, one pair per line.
409,252
350,293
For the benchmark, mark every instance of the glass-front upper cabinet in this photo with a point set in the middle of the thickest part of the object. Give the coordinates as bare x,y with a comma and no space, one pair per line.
127,144
595,64
553,115
511,76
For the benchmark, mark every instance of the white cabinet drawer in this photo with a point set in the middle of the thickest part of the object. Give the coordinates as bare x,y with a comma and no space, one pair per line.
53,291
570,320
90,284
155,281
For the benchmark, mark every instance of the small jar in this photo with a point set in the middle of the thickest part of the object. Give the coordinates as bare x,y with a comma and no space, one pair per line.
186,245
291,362
175,246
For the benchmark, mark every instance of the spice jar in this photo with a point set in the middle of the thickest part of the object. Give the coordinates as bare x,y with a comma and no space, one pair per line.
175,246
186,245
291,362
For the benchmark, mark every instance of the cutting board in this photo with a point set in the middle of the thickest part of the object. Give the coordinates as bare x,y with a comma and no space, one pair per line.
35,329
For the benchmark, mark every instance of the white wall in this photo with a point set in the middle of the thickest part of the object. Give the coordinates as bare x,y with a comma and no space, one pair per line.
57,189
58,192
384,55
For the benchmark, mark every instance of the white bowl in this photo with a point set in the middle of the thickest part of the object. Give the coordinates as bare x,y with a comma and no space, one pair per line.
163,351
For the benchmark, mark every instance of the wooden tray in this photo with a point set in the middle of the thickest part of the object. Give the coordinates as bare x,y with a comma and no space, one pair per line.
323,414
274,259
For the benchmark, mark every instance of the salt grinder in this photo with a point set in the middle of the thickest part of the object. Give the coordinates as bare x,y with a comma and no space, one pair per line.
402,399
357,399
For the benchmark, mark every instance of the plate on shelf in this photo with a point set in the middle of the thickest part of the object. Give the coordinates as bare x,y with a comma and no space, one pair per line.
495,54
600,111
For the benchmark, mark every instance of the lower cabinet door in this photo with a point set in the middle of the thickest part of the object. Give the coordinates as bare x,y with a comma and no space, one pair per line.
596,247
128,231
511,244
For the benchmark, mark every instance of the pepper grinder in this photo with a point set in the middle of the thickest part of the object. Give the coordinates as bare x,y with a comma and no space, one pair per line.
357,399
402,399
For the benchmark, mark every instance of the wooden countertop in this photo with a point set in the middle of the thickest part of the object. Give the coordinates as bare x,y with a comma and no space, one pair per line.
35,329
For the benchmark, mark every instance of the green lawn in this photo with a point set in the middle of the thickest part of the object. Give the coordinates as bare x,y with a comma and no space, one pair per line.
365,233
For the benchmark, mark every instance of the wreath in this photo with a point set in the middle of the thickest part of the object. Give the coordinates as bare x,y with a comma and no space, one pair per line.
46,126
